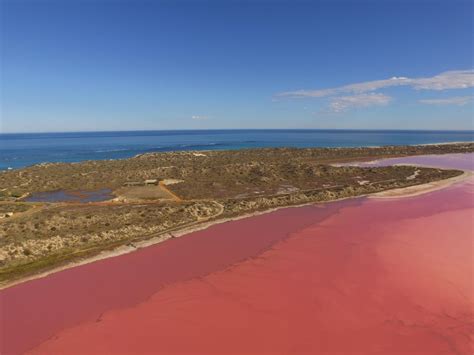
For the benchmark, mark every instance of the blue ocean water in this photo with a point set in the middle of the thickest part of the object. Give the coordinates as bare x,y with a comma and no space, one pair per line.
20,150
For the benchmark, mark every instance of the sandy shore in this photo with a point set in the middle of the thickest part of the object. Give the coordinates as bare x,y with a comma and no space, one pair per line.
444,143
422,189
125,249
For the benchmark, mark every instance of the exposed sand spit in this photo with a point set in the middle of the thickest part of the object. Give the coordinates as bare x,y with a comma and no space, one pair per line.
423,188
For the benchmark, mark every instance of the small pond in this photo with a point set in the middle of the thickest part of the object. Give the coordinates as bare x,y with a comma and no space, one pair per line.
83,196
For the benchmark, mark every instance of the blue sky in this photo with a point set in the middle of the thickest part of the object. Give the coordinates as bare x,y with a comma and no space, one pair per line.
121,65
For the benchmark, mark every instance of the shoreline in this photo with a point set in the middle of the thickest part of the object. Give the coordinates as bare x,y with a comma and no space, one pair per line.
444,143
416,190
125,249
369,163
409,191
46,163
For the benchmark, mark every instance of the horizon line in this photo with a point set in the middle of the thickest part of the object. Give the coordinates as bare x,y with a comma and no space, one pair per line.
247,129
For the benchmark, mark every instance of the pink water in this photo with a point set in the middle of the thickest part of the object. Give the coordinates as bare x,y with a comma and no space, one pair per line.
448,161
363,276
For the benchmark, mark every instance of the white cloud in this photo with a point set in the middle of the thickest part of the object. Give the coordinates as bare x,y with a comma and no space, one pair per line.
458,100
343,103
455,79
197,117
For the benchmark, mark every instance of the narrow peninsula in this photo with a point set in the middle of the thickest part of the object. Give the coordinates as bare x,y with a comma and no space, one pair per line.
54,214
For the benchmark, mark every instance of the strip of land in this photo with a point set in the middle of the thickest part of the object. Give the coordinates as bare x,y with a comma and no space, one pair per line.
158,196
417,190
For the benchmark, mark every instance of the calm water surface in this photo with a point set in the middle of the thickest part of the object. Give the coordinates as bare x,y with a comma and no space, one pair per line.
71,196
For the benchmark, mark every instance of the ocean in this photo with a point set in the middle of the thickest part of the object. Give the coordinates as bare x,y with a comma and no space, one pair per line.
24,149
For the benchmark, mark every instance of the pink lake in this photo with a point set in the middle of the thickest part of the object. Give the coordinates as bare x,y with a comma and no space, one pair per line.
362,276
448,161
